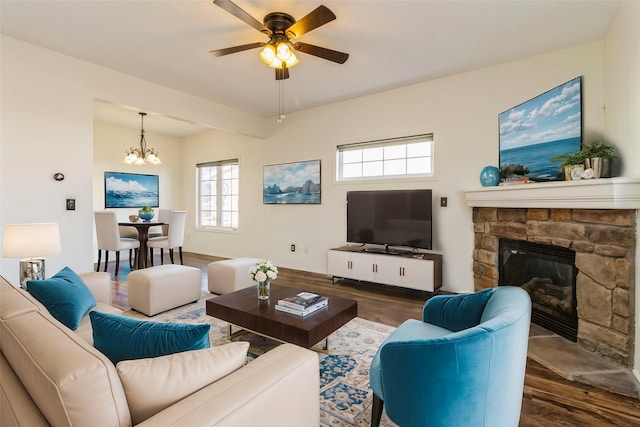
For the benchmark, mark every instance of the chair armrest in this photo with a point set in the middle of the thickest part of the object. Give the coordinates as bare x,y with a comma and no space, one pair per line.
99,284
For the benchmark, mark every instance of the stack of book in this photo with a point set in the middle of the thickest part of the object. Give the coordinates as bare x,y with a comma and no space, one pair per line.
302,304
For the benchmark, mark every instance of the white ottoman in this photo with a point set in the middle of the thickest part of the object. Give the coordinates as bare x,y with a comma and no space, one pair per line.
161,288
230,275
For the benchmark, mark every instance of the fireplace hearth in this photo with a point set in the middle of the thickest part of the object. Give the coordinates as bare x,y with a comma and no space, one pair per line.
548,274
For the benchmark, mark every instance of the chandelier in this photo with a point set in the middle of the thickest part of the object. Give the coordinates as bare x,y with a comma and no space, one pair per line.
142,155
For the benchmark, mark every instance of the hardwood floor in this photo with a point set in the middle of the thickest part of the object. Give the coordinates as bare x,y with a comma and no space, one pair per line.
548,398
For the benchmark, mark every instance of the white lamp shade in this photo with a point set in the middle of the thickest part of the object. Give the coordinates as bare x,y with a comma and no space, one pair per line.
31,240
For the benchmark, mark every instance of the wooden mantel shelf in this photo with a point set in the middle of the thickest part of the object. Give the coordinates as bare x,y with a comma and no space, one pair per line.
604,193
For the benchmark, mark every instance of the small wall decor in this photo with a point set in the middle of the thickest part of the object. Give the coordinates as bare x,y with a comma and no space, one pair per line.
292,183
58,176
130,190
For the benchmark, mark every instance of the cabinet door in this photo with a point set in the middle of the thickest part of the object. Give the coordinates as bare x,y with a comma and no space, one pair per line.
339,264
418,274
363,266
388,270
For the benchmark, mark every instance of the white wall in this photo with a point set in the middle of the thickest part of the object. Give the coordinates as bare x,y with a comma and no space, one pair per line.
622,86
46,126
461,110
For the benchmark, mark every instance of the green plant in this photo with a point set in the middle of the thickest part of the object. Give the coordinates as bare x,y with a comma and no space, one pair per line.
576,158
597,149
146,209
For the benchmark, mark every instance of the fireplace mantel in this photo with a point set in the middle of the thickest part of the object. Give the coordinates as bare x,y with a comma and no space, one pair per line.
604,193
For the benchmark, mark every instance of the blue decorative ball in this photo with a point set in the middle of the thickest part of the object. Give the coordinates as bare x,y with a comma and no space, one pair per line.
490,176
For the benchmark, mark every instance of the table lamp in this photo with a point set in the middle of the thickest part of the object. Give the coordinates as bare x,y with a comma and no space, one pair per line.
28,241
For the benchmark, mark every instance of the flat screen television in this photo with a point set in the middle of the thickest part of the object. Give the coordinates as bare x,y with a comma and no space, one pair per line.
534,132
390,218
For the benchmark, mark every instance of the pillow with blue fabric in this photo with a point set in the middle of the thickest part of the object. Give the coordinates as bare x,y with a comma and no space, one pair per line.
65,296
121,338
457,312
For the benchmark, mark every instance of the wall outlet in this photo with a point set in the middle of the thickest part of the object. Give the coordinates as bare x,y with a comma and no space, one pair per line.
71,204
293,247
443,202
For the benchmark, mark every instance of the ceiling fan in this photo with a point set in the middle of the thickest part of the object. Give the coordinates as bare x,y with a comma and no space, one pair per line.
282,28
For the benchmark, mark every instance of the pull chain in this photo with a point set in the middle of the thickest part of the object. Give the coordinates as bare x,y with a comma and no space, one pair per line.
281,115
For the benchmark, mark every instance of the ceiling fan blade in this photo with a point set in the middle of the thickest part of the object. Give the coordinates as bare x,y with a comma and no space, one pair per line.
322,52
282,73
236,11
316,18
235,49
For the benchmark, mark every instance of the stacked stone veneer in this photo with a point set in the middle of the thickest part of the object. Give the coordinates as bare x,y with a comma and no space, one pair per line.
604,242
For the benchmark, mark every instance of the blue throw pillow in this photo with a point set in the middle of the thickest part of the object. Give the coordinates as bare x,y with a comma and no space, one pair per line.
65,296
121,338
456,312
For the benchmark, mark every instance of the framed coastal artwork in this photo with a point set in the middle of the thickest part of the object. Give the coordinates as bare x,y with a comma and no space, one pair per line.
534,132
130,190
291,183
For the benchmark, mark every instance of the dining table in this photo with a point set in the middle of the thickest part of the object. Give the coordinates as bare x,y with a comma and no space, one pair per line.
143,237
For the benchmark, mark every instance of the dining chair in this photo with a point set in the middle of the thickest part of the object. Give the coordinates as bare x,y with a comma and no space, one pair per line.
173,239
109,239
164,216
462,365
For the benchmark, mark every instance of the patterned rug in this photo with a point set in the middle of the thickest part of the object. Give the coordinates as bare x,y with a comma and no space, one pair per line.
345,395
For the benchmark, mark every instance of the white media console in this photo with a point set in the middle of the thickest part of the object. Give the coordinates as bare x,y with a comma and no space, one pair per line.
421,271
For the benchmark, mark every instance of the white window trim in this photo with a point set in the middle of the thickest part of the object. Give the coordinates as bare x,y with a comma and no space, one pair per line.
216,228
385,143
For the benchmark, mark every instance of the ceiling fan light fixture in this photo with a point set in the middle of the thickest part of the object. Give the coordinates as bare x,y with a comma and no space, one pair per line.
292,60
267,54
283,51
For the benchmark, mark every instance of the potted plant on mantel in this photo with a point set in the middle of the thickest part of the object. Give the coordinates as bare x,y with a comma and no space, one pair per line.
570,162
598,156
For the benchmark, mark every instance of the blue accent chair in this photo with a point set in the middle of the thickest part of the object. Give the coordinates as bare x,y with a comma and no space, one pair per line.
463,365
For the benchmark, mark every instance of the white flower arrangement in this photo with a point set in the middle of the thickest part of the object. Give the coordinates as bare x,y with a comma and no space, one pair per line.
262,271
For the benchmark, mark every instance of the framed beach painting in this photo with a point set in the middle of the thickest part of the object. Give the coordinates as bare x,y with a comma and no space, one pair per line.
130,190
291,183
534,132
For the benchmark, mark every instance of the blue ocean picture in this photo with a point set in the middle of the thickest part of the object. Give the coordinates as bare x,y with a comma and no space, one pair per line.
292,183
130,190
532,133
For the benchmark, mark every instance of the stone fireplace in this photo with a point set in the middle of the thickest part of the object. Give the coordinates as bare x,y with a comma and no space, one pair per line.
585,219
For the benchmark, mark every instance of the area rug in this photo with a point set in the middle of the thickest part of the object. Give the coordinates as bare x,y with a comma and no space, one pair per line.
345,395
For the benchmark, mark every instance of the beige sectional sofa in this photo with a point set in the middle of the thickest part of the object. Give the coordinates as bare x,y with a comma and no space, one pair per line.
50,375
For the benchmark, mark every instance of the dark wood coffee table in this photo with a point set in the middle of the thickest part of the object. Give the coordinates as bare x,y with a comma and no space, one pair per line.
244,310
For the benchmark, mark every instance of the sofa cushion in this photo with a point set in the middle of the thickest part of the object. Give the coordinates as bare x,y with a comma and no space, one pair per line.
175,376
84,330
121,338
65,296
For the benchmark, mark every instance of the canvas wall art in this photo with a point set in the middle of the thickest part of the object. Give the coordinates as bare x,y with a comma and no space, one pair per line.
534,132
292,183
130,190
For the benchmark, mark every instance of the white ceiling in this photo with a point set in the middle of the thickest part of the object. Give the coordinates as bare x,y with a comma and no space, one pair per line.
391,43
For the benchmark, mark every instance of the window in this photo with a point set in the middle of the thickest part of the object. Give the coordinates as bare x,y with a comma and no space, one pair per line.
218,192
389,158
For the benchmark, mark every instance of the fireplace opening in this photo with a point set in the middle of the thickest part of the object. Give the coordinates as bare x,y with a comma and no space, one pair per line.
548,274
